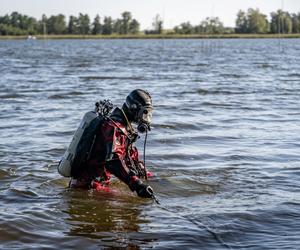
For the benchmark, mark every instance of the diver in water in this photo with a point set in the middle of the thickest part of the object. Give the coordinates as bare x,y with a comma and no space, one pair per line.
113,150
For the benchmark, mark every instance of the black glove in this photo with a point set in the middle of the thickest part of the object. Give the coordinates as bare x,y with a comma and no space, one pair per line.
143,190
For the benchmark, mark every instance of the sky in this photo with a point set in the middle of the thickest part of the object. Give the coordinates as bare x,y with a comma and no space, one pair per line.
173,12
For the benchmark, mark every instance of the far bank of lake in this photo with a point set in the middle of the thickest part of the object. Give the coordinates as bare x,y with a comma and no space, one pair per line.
155,36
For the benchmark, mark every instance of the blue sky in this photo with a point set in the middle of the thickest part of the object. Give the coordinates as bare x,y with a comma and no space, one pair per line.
173,12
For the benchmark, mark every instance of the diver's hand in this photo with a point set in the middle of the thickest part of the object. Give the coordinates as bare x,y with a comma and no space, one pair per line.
144,191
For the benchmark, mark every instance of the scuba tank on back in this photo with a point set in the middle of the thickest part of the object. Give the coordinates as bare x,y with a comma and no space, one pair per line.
83,139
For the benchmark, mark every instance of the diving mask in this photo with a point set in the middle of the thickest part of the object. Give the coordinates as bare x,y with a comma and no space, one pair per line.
144,117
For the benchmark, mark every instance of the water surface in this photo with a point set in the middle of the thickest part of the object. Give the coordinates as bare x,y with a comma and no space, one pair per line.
224,146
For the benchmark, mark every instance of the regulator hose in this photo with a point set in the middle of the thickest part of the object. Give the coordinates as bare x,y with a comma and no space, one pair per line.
145,142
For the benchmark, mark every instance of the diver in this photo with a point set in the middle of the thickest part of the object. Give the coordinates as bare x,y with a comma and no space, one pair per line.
113,150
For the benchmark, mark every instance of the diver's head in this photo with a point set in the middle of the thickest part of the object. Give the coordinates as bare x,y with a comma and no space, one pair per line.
138,108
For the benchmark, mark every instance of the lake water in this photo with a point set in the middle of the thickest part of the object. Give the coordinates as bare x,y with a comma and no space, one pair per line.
224,146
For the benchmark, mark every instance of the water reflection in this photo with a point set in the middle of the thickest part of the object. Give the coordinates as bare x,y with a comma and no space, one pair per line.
113,219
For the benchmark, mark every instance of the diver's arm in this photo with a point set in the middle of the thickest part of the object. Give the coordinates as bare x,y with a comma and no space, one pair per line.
119,169
115,163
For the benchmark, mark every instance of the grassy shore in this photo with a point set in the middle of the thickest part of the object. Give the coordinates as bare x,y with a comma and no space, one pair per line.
161,36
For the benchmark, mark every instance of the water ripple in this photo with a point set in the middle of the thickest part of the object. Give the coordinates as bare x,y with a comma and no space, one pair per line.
224,145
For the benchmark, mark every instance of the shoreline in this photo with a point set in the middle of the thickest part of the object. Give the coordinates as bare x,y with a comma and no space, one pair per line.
160,36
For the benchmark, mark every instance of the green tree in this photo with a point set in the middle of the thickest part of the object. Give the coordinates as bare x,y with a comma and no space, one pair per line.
73,25
15,19
5,20
97,28
29,24
281,22
215,25
157,24
7,29
212,25
296,23
251,22
18,24
56,24
134,27
42,25
288,24
125,24
241,22
275,26
117,26
257,21
107,28
184,28
83,24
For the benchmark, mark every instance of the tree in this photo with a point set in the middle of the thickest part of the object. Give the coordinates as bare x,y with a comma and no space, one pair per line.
281,22
97,28
10,30
134,27
83,24
241,22
275,25
107,28
125,22
288,24
73,25
15,19
18,24
29,24
296,23
157,24
5,20
42,25
184,28
117,26
23,22
212,25
251,22
257,21
56,24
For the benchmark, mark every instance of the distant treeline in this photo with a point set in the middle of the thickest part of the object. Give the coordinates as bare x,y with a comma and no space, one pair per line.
251,21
